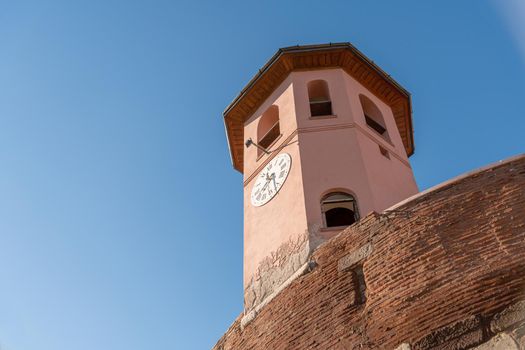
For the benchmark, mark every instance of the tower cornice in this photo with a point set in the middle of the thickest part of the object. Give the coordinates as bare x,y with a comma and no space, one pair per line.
312,57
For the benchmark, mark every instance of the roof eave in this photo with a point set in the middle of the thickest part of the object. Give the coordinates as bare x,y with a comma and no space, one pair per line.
309,48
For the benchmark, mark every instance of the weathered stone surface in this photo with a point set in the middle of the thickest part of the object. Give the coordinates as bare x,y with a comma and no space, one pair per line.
458,253
355,257
512,315
249,316
519,335
458,335
404,346
276,269
501,341
463,342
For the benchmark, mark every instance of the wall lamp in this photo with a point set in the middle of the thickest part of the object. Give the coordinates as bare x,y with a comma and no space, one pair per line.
250,142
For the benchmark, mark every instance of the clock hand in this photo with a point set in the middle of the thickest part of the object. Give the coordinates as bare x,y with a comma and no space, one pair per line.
266,184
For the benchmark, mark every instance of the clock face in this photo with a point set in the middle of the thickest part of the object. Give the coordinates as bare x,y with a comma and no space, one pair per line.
271,179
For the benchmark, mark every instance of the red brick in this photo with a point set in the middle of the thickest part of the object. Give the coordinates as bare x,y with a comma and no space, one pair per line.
455,253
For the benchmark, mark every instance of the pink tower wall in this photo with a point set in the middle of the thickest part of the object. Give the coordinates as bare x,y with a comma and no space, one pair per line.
342,153
268,227
338,152
391,179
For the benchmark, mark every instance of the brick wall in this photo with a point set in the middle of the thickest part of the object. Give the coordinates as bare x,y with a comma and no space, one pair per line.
433,273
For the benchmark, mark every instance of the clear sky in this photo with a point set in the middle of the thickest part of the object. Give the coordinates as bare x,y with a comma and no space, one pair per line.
120,213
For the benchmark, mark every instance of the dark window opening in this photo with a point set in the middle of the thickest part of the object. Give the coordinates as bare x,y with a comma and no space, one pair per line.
373,117
360,284
270,136
320,108
319,97
375,125
339,209
268,129
339,217
384,152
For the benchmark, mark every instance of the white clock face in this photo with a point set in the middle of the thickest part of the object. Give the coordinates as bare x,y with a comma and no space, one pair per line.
271,179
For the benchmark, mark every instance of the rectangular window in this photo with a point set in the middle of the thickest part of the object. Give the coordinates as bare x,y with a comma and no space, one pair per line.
375,125
320,107
384,152
270,136
360,284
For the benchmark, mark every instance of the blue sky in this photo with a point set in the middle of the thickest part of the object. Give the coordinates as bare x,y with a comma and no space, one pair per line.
120,213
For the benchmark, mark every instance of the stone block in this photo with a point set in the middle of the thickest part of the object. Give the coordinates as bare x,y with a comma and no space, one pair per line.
501,341
459,335
519,335
355,257
512,315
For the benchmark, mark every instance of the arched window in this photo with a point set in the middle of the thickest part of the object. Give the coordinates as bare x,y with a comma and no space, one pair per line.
339,209
268,128
319,97
373,117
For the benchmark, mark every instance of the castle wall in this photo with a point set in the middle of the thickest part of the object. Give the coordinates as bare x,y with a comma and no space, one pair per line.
443,270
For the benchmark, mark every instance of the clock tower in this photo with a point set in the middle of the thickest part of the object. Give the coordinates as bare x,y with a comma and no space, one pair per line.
322,136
